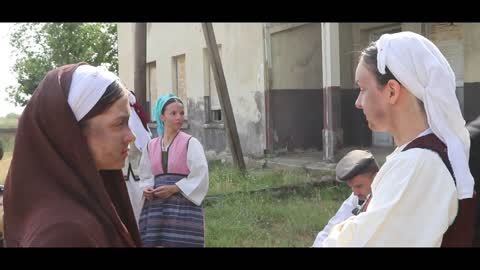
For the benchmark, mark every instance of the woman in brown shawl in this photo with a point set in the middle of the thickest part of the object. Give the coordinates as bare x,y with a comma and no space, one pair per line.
65,186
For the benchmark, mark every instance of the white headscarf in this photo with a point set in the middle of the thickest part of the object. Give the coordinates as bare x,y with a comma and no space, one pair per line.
88,85
142,135
420,66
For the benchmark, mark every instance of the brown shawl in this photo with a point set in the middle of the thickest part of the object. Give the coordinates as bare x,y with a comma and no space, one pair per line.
54,195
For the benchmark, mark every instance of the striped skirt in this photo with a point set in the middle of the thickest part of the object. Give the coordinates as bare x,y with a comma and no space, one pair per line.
171,222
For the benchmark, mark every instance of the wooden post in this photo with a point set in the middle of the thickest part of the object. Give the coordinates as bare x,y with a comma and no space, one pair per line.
140,60
223,96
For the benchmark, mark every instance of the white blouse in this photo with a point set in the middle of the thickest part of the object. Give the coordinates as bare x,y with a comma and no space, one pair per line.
343,213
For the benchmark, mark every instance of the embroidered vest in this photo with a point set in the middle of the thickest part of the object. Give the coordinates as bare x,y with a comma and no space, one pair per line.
177,155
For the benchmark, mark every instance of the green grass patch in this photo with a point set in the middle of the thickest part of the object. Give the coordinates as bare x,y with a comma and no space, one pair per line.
272,220
8,141
4,165
224,178
8,122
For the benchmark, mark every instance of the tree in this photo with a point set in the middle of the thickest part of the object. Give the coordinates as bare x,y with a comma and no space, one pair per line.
40,47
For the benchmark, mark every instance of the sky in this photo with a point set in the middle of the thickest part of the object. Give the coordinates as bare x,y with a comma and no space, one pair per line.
6,76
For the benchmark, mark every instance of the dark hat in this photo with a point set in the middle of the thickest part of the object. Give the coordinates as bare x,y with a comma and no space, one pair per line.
354,163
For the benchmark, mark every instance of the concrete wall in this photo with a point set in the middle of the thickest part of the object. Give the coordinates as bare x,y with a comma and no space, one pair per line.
297,58
352,127
471,49
296,90
449,39
418,28
472,52
125,53
347,54
361,35
242,59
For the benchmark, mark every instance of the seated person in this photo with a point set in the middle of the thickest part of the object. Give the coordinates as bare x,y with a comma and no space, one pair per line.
357,169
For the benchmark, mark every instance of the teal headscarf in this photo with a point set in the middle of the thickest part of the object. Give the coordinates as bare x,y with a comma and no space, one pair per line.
157,111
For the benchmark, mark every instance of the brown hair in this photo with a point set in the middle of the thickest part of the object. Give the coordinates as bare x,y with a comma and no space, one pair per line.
170,101
371,169
369,56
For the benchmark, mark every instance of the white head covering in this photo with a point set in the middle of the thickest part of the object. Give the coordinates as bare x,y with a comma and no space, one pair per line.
420,66
142,135
88,85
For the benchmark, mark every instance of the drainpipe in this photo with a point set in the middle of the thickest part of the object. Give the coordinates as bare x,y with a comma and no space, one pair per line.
267,65
331,82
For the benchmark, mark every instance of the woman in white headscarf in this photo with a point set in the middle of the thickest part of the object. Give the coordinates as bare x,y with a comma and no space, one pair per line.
407,88
138,123
65,186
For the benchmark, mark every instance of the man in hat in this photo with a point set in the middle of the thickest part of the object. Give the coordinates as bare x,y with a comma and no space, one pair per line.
357,169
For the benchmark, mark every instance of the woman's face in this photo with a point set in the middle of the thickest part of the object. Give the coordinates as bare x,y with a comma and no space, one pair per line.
372,99
108,136
173,116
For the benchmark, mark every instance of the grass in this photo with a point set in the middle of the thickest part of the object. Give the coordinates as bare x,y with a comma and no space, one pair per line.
289,218
8,122
226,179
8,142
4,165
268,220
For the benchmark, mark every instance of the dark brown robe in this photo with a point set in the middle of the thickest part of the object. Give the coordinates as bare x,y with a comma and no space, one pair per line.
54,195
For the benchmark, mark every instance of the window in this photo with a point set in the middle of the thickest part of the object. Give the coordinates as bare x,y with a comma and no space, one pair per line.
179,80
216,115
152,92
448,37
213,111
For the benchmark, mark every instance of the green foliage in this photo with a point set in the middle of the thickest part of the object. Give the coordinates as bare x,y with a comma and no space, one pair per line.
41,47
